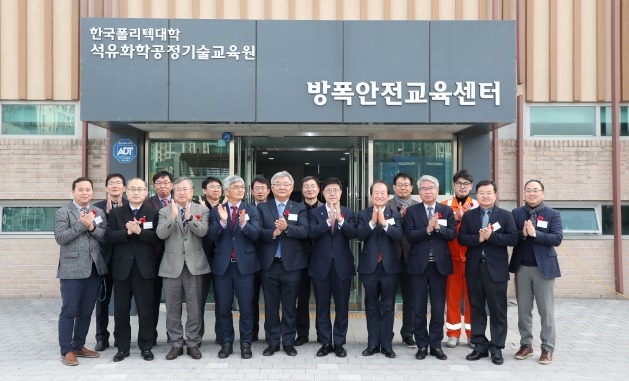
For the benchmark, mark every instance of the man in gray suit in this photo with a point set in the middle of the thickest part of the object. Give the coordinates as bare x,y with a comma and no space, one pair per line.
182,226
79,227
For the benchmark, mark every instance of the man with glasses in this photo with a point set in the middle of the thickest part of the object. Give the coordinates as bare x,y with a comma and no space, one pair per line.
402,199
534,262
235,227
429,226
487,231
131,232
283,229
310,192
260,189
114,188
182,225
331,227
457,286
163,186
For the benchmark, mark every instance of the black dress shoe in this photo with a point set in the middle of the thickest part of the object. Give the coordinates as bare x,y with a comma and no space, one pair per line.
301,340
388,352
438,353
270,350
339,350
226,350
324,350
174,353
245,351
194,352
497,359
148,355
121,355
476,355
290,350
370,351
421,353
101,346
409,342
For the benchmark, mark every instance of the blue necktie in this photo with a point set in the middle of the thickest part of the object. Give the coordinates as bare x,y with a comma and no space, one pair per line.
280,213
135,213
484,223
182,211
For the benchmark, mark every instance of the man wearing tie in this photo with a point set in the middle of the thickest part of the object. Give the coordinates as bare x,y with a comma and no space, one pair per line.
487,231
283,229
429,226
235,227
131,231
331,227
380,228
182,226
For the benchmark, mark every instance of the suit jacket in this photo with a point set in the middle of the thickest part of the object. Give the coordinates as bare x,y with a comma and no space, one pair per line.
495,247
543,244
154,203
377,242
183,245
326,245
404,246
415,225
294,256
129,248
79,248
208,244
243,240
107,246
308,242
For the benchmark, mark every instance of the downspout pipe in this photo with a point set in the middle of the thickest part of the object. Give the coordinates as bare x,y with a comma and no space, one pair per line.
616,179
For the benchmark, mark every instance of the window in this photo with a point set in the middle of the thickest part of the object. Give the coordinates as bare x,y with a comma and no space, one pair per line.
38,119
607,213
579,220
563,121
606,121
415,158
27,219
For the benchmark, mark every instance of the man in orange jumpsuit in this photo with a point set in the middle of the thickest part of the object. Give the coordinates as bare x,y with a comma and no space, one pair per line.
456,284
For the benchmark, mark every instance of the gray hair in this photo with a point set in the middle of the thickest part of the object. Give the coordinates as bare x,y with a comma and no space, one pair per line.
231,180
136,178
181,180
429,178
282,174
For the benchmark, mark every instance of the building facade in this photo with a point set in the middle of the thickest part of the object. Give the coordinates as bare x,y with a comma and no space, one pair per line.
568,66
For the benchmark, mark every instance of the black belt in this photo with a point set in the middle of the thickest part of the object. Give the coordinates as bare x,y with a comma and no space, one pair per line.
233,260
277,259
482,260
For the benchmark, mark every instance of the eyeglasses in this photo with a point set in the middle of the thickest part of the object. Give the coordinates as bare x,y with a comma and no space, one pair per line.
332,191
403,185
160,183
282,185
182,190
237,187
533,191
462,184
112,183
135,190
427,189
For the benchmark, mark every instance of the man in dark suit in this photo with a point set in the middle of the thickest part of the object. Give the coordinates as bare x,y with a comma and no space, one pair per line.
163,186
283,229
487,231
310,191
331,227
429,226
380,228
260,190
182,225
114,188
235,227
534,262
131,232
79,230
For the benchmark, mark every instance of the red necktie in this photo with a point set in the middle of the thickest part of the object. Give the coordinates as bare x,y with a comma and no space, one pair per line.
234,217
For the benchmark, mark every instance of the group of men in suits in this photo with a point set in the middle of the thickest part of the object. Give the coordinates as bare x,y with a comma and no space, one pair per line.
167,241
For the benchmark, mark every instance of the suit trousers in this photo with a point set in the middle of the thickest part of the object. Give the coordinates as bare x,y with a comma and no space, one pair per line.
432,283
380,290
157,301
205,291
186,286
407,303
303,305
485,291
102,308
531,285
143,290
456,289
226,285
325,290
78,297
255,306
280,287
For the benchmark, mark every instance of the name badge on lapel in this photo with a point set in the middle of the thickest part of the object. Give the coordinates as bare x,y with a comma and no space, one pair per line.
292,217
148,225
542,224
98,220
390,221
